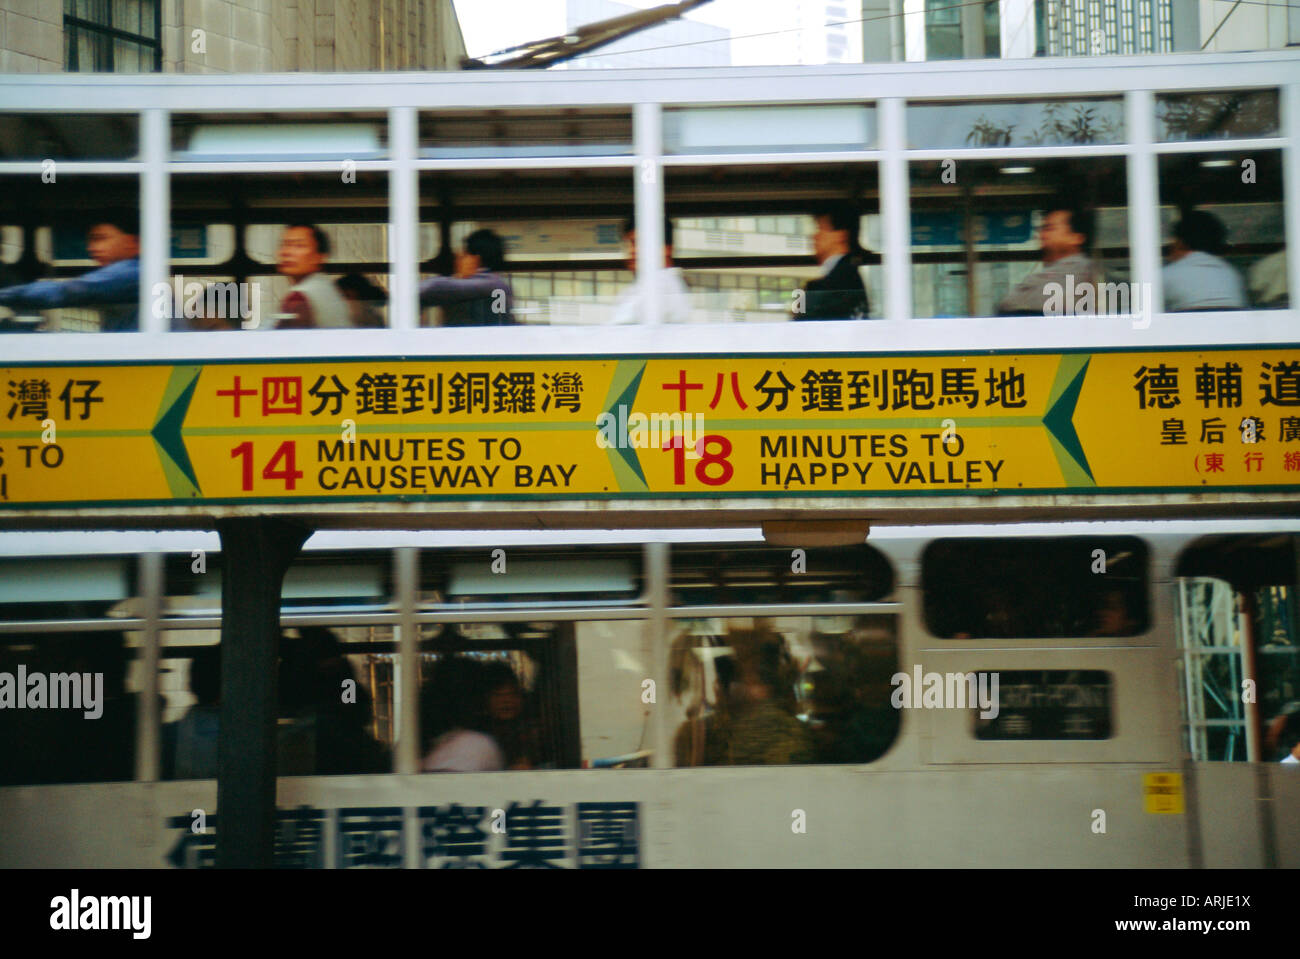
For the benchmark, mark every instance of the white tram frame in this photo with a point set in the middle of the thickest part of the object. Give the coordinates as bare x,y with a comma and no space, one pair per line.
929,800
937,797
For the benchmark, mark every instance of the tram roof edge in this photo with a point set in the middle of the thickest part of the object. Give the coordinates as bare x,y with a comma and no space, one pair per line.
531,88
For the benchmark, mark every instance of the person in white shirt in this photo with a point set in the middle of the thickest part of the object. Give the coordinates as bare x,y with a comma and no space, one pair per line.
674,298
313,302
1267,281
1196,277
1285,732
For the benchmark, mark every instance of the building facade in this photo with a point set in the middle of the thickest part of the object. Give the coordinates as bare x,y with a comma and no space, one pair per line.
227,36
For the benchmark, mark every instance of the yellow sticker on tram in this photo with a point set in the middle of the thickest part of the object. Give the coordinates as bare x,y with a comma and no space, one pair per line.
1163,793
651,427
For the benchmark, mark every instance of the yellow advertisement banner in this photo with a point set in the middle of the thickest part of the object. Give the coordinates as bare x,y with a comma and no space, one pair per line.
659,427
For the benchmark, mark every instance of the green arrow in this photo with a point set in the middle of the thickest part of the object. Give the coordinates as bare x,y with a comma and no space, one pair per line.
166,432
1059,421
622,457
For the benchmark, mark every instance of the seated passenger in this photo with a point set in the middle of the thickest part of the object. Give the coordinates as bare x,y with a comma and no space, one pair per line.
1282,735
1112,616
838,292
1196,278
507,721
1065,234
190,744
1290,739
365,300
478,295
455,718
674,298
114,243
1267,281
313,301
761,728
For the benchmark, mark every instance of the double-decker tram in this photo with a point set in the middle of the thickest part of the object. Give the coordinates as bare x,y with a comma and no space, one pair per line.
846,465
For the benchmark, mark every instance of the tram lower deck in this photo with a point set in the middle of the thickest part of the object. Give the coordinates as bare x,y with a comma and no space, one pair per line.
1048,695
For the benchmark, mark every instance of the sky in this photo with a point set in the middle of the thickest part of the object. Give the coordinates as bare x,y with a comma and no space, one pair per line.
491,25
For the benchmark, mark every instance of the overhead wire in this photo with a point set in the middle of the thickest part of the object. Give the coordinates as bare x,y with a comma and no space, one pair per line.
884,16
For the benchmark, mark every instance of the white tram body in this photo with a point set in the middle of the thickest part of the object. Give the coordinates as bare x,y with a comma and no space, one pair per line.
939,796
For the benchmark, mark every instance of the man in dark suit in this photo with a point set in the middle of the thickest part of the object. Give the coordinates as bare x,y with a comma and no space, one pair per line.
837,293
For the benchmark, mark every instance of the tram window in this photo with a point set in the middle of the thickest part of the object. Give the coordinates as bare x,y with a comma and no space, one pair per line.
499,696
337,707
77,227
1035,588
778,246
279,136
1220,115
1236,621
530,576
982,231
1050,704
66,588
559,256
1015,123
332,276
783,691
321,580
759,129
63,136
1225,232
77,724
546,132
736,574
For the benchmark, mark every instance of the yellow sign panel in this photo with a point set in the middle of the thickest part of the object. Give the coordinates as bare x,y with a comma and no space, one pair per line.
1163,793
660,427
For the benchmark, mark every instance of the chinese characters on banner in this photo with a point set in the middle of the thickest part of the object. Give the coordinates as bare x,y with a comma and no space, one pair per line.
658,427
594,835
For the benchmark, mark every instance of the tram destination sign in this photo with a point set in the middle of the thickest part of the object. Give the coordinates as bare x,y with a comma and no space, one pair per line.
551,428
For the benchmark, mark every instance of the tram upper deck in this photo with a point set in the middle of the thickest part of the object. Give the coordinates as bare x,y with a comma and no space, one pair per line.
953,188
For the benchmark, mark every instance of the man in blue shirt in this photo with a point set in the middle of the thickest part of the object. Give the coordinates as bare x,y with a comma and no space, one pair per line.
114,244
478,295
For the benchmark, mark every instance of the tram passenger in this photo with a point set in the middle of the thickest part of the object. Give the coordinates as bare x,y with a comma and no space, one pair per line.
838,292
114,243
340,708
761,729
1196,276
1112,615
1065,234
478,294
313,301
674,298
455,720
1283,735
365,300
1267,281
189,745
506,717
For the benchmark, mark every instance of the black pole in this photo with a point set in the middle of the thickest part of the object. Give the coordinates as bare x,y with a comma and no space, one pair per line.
255,553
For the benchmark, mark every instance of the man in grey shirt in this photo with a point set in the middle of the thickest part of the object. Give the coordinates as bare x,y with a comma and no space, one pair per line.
1064,235
1196,278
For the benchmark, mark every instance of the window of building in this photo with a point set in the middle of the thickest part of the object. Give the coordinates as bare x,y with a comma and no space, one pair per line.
942,30
113,36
